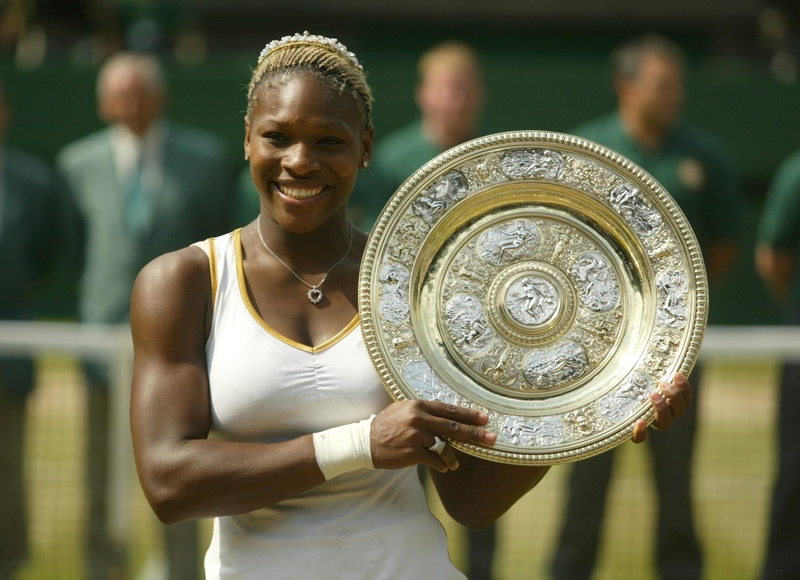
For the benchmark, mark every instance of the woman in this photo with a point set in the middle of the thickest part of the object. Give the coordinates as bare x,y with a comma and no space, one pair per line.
255,335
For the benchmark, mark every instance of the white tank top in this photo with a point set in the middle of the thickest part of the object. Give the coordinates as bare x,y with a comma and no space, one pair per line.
370,524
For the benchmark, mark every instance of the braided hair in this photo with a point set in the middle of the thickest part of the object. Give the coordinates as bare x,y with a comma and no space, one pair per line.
330,65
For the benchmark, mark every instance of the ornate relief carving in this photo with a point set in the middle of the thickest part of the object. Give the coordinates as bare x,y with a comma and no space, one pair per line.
640,215
434,201
509,242
634,391
394,293
599,290
542,432
673,287
548,367
537,164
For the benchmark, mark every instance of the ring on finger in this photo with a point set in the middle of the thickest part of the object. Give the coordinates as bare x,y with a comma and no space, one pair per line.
439,446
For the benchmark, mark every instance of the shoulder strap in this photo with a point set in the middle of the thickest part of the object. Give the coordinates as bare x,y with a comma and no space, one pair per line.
210,251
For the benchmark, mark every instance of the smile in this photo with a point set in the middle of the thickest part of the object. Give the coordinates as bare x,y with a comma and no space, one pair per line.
299,192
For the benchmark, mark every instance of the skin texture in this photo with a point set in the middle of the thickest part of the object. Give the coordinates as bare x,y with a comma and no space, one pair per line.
127,97
650,105
776,268
450,99
301,137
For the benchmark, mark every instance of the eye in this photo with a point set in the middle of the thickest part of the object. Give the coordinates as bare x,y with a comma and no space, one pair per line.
331,141
275,137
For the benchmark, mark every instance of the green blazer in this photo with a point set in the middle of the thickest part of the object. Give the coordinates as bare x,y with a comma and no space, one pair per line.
193,203
30,236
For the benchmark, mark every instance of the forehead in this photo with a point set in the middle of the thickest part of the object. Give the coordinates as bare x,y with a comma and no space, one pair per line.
655,64
124,80
297,95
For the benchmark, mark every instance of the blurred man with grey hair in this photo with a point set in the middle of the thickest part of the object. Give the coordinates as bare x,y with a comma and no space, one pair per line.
696,170
143,187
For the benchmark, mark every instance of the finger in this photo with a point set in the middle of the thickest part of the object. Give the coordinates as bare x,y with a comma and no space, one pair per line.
674,398
452,429
663,415
443,460
449,458
456,413
435,461
683,385
640,431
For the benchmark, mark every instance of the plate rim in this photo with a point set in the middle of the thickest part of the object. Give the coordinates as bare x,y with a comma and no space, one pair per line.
531,139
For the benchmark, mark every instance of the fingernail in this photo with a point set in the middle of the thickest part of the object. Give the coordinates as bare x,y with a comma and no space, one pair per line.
656,397
483,417
490,437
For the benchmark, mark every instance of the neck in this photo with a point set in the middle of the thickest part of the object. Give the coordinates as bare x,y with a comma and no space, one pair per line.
444,137
311,252
644,134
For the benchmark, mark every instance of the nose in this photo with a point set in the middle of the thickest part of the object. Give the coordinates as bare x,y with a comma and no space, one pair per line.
301,159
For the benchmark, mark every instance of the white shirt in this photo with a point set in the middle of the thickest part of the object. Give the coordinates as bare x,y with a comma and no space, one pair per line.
371,524
128,149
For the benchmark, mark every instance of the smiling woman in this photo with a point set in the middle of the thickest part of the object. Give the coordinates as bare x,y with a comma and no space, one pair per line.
255,335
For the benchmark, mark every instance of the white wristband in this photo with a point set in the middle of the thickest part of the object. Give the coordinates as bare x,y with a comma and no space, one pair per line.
343,449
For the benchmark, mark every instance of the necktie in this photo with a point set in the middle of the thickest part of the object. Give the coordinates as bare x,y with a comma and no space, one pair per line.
137,202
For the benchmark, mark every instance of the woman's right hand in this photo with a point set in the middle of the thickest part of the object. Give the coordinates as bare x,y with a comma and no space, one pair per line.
403,433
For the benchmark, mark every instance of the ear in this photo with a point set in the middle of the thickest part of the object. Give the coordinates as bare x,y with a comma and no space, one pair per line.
366,147
246,136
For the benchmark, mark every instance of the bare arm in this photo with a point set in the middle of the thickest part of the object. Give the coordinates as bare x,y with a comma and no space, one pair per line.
776,267
480,491
185,475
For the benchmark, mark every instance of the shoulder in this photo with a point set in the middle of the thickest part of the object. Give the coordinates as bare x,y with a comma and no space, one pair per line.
599,128
791,165
787,177
395,143
83,150
28,168
703,143
195,141
174,269
173,285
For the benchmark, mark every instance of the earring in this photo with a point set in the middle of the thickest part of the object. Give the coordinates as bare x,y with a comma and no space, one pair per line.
246,157
365,164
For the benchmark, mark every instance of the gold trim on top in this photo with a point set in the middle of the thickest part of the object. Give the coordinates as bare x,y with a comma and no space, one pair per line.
237,243
212,265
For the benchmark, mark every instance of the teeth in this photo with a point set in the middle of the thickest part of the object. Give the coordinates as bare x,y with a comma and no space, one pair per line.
300,192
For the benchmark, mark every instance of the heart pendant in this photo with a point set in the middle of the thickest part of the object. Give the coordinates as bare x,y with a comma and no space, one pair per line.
314,295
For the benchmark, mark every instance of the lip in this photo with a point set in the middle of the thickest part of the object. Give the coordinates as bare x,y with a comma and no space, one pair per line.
296,194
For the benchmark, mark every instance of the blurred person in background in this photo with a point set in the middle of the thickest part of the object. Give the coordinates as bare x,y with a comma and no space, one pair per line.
143,187
776,252
699,174
450,96
32,232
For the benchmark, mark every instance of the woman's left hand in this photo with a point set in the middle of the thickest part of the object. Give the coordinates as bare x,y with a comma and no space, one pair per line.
670,404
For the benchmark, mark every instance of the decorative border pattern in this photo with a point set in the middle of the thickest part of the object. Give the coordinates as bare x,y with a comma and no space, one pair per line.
579,167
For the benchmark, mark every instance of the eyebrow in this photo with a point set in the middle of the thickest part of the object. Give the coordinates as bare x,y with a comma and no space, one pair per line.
331,125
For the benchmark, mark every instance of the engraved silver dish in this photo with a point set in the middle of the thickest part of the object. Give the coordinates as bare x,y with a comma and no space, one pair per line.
539,277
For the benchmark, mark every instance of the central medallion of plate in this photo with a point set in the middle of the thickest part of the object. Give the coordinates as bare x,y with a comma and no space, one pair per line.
531,305
532,301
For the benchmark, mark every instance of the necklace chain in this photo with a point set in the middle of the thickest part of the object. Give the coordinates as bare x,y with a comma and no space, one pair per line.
314,293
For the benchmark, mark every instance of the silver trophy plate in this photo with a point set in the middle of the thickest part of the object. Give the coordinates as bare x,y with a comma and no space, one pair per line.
539,277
